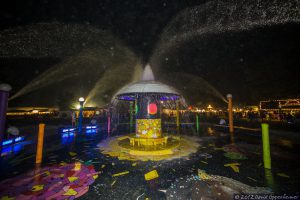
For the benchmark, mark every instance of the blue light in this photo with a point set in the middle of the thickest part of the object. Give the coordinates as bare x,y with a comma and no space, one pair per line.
91,131
67,137
17,147
68,130
67,134
169,97
6,142
12,149
6,150
127,97
19,139
67,140
91,127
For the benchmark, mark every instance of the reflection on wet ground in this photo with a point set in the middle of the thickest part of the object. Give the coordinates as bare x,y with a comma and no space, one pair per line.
125,179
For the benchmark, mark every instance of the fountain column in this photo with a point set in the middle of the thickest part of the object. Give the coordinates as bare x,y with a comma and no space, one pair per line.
148,121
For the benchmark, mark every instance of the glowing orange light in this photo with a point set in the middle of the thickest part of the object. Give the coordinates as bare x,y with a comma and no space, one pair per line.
152,108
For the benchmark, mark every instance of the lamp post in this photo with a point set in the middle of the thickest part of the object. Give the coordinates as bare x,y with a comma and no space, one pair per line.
81,101
4,93
209,107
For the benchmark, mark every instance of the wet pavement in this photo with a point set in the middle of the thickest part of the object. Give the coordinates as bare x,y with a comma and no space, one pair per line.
124,179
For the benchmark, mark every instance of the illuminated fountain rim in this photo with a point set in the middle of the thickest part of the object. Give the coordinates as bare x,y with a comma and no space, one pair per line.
186,146
161,96
143,87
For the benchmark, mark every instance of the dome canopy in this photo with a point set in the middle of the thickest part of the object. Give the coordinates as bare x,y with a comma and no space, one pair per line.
147,84
147,87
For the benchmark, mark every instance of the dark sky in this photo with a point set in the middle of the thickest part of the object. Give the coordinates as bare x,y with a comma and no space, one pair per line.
258,64
139,23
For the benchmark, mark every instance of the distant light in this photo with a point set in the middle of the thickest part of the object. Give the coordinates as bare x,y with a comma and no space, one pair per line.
81,99
209,107
35,111
78,106
161,102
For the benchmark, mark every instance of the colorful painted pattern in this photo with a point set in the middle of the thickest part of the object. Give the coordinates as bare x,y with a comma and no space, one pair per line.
148,128
63,181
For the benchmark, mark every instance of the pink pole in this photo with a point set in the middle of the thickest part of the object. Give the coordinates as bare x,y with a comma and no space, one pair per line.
108,125
4,93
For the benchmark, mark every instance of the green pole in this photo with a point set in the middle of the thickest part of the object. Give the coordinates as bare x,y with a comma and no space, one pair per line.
266,145
197,122
131,117
136,108
270,179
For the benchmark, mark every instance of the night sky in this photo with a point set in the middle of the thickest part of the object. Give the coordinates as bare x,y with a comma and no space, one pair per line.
255,64
138,23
